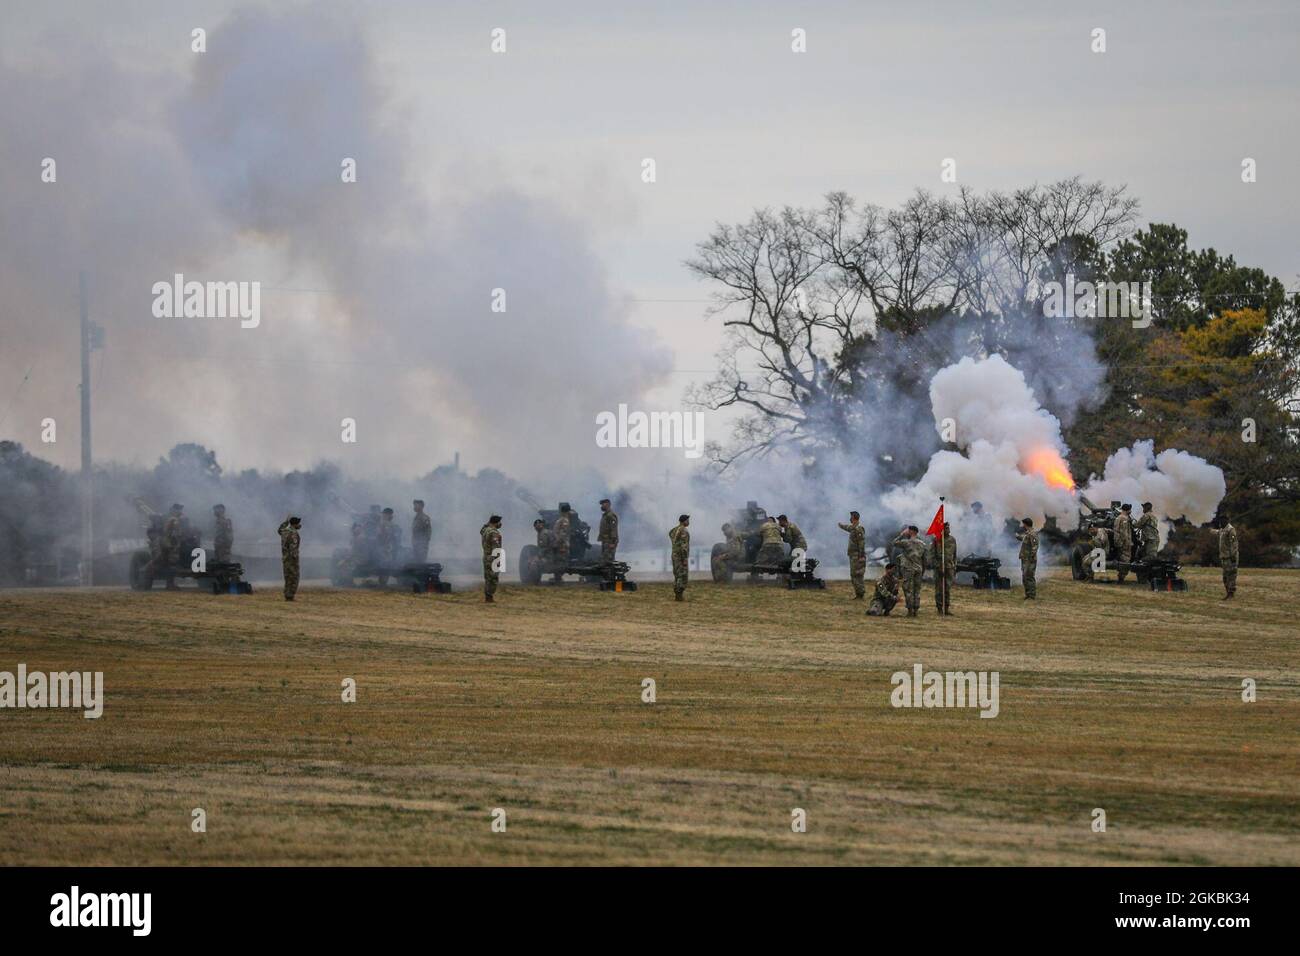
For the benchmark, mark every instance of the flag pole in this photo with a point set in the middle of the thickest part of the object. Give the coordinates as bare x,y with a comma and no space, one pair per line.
943,553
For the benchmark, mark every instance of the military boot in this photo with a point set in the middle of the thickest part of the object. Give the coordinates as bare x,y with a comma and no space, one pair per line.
489,599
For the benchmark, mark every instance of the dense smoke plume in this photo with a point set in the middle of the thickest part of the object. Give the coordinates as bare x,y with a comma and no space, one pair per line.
376,295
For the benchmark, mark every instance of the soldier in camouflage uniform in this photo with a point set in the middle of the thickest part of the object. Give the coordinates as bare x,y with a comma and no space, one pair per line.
544,546
857,554
608,533
1150,532
389,538
173,527
911,565
561,542
223,534
421,533
772,549
1029,558
490,534
1228,556
680,536
791,534
289,544
1124,539
945,569
734,550
886,593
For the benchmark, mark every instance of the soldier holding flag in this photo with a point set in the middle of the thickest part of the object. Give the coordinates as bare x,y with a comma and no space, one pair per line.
944,557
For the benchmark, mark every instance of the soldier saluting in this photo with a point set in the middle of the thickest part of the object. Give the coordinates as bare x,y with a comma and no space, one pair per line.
911,565
857,554
608,533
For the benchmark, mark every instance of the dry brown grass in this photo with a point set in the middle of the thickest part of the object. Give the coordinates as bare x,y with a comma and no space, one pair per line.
767,700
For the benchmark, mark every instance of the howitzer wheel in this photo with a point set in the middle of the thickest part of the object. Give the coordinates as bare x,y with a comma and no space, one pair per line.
530,565
139,576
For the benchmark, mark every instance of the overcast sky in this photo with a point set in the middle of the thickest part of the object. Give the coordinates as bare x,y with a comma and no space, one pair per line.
733,119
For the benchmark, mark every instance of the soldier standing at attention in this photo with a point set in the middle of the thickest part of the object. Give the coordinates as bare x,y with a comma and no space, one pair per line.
561,542
680,536
886,594
1124,539
1029,558
491,535
791,534
223,533
289,543
1150,532
1228,555
772,550
857,554
608,533
911,565
421,532
945,570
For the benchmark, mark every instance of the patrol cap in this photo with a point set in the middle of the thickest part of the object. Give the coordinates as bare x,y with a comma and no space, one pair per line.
295,520
388,511
218,507
681,518
178,508
1126,507
495,519
854,514
418,501
603,501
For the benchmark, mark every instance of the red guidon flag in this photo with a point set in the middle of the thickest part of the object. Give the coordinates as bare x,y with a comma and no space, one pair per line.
936,526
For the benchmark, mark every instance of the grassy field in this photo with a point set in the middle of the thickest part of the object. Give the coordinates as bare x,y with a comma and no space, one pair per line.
767,700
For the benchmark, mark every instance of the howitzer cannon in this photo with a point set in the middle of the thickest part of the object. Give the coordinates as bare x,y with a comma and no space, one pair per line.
1097,523
180,561
371,557
576,556
743,556
983,569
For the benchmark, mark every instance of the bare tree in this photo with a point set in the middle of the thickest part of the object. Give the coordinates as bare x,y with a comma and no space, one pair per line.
832,310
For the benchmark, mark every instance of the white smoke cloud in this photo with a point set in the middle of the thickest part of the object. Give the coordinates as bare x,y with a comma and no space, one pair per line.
989,400
1005,434
1178,484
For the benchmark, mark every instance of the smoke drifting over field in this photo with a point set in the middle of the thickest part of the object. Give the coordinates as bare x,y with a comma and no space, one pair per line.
377,295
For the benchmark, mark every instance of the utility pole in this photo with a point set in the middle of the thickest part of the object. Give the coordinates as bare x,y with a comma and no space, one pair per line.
87,479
